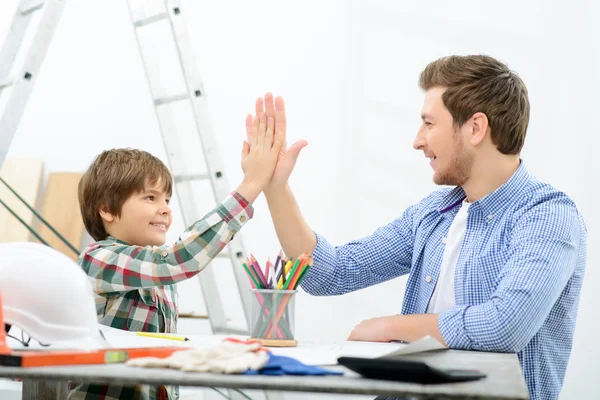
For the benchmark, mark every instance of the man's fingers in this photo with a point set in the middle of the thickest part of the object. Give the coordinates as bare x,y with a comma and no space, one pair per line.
269,133
280,121
249,123
294,150
245,150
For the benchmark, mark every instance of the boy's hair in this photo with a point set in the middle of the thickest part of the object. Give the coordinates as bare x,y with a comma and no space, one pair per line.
112,178
479,83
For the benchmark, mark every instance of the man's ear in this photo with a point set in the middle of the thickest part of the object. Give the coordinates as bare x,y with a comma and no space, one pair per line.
105,215
480,127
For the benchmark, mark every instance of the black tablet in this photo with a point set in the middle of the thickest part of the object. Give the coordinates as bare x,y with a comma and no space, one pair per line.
397,369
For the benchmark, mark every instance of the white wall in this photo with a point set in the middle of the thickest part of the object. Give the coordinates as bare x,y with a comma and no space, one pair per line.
348,71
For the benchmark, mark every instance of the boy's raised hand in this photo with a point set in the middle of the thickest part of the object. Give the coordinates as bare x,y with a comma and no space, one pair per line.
275,108
259,155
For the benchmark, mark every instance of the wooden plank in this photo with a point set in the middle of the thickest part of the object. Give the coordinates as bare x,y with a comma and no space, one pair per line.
47,389
25,176
61,210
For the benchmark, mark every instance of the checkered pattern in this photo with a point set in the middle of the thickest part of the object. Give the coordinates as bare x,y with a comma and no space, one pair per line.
135,286
517,280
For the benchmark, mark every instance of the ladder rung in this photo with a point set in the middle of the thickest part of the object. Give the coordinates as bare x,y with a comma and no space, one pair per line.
230,331
192,316
32,6
6,83
187,178
150,20
170,99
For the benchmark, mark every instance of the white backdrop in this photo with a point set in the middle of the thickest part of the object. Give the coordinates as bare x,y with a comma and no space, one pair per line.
348,71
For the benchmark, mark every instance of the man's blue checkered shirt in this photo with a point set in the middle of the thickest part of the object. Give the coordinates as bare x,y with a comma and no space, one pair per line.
517,279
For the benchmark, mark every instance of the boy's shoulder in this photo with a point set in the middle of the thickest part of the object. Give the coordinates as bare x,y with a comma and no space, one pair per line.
109,242
101,244
103,250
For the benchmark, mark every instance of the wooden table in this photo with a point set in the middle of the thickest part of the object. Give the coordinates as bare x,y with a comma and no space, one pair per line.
504,379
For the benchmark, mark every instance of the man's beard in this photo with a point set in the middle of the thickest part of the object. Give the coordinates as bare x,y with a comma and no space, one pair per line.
459,170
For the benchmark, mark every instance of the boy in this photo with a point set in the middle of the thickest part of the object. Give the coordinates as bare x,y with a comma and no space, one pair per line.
124,199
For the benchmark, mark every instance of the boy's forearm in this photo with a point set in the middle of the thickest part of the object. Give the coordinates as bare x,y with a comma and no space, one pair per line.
119,267
249,190
295,236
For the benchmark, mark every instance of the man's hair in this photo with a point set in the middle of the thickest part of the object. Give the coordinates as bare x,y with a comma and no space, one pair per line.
112,178
480,83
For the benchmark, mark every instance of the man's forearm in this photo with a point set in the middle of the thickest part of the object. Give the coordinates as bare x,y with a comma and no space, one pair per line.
293,232
412,327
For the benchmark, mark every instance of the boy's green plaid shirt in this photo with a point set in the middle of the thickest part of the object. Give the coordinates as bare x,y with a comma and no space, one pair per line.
135,286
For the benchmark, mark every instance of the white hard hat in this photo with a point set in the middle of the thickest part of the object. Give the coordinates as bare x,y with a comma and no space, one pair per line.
46,294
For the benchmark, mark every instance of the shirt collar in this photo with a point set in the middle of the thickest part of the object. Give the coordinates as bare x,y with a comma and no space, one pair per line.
113,240
493,202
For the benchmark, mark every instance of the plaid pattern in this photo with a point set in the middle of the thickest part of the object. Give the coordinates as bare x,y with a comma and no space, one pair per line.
517,281
135,286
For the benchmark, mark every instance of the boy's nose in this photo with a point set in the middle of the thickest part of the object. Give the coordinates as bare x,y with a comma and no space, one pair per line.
166,210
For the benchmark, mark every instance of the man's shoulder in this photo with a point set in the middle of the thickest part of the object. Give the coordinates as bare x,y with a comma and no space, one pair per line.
538,195
433,201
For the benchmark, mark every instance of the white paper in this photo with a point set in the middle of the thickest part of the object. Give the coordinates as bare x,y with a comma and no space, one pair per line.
311,353
307,352
426,343
318,353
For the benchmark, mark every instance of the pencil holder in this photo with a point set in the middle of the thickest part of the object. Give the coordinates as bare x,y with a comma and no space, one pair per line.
273,317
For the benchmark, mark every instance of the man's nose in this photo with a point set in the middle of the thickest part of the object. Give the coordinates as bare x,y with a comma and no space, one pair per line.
420,142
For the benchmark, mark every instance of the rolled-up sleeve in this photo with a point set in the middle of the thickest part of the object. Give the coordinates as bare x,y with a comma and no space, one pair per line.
379,257
545,251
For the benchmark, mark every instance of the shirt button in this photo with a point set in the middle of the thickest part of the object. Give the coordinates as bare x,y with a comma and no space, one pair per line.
165,253
490,217
243,218
444,240
428,278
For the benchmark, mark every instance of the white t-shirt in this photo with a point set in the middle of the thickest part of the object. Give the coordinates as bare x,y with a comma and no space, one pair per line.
443,295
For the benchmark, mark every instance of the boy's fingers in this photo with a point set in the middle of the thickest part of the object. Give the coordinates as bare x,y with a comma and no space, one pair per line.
269,105
259,106
262,128
269,133
254,141
277,144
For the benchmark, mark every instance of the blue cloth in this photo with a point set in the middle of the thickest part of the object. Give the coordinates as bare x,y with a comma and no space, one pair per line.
281,365
517,279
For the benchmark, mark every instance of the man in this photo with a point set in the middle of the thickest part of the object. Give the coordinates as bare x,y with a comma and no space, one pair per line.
495,263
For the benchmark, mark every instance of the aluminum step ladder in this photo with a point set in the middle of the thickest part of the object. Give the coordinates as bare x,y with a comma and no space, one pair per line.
16,83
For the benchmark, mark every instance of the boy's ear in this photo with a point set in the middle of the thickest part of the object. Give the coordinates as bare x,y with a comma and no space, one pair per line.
105,215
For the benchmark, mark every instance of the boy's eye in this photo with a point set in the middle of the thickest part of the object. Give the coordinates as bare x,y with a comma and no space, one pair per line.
151,198
168,201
